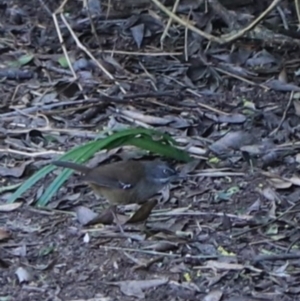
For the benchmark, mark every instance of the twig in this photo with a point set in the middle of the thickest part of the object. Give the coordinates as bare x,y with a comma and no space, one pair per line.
242,79
267,223
163,36
231,37
283,116
283,18
80,45
274,257
31,155
163,254
187,24
61,40
220,214
143,53
298,12
206,106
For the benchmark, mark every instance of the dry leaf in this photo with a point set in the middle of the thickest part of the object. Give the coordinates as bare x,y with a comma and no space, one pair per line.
295,180
9,207
85,215
23,275
217,265
143,212
279,183
297,107
162,246
213,296
4,234
135,287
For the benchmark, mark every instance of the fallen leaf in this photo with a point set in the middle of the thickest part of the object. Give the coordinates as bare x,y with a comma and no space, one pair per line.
162,246
279,183
4,234
189,167
85,215
143,212
9,207
295,180
148,119
278,85
232,140
213,296
23,275
20,251
297,107
15,172
135,287
283,75
217,265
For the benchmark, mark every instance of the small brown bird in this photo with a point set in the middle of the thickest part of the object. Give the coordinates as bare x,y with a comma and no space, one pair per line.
125,182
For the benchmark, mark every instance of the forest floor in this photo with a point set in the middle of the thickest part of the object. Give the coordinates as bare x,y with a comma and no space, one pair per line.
230,231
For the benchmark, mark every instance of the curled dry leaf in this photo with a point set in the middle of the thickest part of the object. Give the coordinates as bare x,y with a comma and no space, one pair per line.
106,217
278,85
138,34
86,238
85,215
229,118
135,287
9,207
196,150
269,194
254,207
189,167
23,275
283,76
232,140
232,118
165,194
295,180
148,119
280,183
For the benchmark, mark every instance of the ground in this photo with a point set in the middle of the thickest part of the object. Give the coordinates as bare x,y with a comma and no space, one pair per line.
228,231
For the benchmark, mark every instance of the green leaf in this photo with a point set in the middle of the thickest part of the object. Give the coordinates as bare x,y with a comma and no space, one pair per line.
25,59
22,60
42,173
63,62
159,148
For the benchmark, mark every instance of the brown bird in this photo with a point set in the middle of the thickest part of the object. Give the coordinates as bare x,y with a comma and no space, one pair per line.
125,182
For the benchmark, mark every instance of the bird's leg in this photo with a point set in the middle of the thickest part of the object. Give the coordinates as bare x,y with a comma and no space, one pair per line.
113,210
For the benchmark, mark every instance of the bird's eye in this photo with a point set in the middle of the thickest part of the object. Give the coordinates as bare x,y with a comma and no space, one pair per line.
168,171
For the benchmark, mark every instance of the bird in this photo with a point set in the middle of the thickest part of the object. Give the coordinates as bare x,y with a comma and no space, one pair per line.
125,182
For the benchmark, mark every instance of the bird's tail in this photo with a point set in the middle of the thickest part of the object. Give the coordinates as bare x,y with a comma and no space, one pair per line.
71,165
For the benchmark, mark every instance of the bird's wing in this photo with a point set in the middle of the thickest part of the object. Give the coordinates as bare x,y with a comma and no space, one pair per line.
117,175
